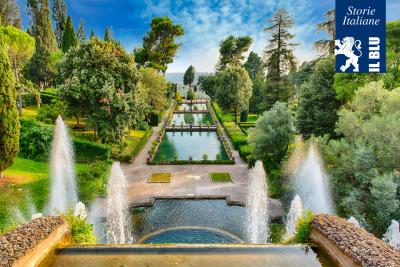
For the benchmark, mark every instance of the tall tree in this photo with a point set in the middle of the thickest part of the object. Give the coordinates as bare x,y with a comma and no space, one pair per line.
81,32
280,57
207,84
92,34
255,67
188,77
60,19
232,51
69,37
108,35
9,13
327,47
233,90
46,44
20,48
159,44
9,130
318,106
155,88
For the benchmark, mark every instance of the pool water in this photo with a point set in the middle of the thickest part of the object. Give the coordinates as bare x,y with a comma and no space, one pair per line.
189,213
182,145
193,107
191,236
191,119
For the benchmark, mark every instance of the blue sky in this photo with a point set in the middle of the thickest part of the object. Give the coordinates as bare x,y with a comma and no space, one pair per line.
206,23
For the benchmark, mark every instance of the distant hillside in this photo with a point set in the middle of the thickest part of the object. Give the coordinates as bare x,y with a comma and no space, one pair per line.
177,77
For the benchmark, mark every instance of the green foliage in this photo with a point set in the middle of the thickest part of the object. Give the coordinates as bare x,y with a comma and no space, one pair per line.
86,151
82,232
9,228
92,181
60,18
190,95
155,118
108,35
304,227
109,96
35,140
155,88
221,177
49,113
277,231
327,47
234,89
128,154
81,32
236,134
188,77
9,14
159,46
194,162
364,163
207,84
255,67
69,38
10,127
272,135
48,96
318,106
232,51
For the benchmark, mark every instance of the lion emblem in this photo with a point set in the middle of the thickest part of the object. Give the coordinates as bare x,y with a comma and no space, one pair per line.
345,48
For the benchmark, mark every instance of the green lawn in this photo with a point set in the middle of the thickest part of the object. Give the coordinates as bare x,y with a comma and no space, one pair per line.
221,177
27,185
160,178
29,112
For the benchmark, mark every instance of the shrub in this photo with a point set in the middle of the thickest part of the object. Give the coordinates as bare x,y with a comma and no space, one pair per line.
35,140
190,95
92,181
28,100
49,113
155,118
277,231
48,96
178,98
143,126
82,232
244,116
86,151
304,227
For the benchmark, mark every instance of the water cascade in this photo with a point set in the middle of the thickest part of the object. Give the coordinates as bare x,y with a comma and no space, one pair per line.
63,185
354,221
118,230
257,206
392,235
312,184
295,212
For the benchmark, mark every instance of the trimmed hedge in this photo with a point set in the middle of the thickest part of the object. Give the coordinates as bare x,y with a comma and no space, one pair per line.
236,134
86,151
155,118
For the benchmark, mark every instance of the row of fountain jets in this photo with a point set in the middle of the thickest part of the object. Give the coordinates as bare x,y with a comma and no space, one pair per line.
310,183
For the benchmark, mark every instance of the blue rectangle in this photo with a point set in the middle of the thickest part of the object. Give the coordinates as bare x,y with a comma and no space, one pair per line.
360,44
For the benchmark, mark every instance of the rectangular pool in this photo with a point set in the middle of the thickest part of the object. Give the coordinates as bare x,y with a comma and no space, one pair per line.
191,119
193,106
182,145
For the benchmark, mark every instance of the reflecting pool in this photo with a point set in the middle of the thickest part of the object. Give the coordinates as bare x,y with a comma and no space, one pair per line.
182,145
193,107
191,119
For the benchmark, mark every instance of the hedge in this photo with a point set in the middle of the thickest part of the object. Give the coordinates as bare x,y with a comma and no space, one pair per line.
48,95
245,153
155,118
86,151
236,134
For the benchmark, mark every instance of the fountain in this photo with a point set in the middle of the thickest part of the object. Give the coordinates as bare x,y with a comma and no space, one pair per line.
312,184
392,235
63,186
295,212
257,206
118,230
354,221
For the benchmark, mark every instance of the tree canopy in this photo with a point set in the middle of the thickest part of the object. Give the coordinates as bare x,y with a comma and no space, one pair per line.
155,87
188,77
69,38
159,44
9,121
232,51
233,89
9,13
99,79
60,19
327,47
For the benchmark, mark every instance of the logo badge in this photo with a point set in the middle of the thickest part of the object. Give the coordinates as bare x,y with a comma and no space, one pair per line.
360,45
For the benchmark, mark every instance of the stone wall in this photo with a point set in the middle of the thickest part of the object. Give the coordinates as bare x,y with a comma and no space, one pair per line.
345,242
30,243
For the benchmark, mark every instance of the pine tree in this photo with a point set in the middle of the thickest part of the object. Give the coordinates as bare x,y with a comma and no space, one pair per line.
280,58
327,47
9,14
81,32
232,51
9,130
92,34
60,19
108,35
69,37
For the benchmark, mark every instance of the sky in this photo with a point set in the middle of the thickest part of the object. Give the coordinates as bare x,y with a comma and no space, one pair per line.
206,23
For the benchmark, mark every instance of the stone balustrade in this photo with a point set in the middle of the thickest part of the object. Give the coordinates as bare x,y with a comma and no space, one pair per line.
349,245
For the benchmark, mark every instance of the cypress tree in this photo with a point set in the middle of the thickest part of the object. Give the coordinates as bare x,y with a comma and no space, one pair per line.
107,35
9,13
69,37
60,18
92,34
81,32
9,130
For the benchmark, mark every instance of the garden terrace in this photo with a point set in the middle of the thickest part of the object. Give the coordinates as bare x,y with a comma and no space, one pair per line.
191,128
348,243
191,111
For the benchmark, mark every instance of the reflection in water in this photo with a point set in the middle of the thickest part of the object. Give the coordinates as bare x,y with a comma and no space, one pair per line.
182,145
191,119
